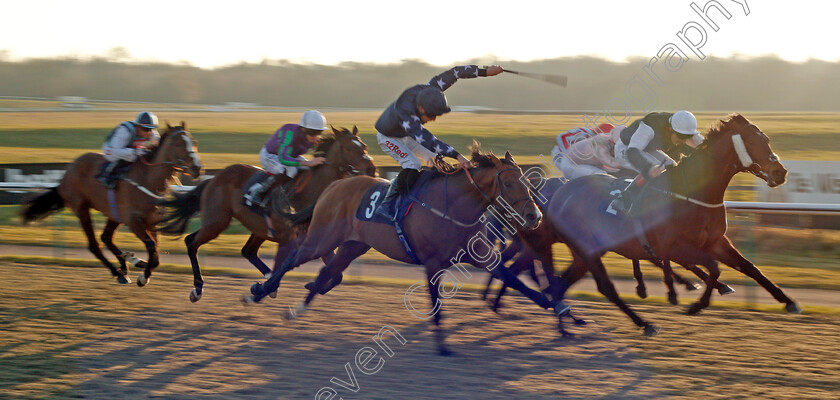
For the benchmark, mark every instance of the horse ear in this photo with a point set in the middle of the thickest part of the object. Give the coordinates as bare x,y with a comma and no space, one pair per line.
509,157
169,127
184,125
335,131
355,131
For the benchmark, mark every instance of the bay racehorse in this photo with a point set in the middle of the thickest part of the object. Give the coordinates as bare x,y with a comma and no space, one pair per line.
442,226
132,203
682,217
220,199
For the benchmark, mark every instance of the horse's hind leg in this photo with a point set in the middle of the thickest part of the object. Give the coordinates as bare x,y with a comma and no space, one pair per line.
668,279
108,238
641,289
211,227
87,226
606,287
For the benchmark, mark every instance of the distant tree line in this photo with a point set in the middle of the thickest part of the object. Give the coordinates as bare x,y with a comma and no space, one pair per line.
715,84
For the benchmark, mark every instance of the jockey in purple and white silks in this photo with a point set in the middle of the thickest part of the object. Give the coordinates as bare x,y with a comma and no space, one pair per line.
400,131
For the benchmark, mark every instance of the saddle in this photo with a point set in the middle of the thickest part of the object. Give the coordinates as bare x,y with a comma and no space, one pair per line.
111,179
281,201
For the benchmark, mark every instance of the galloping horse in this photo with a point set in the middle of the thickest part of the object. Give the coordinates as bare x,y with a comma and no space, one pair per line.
220,199
439,239
131,203
682,216
529,248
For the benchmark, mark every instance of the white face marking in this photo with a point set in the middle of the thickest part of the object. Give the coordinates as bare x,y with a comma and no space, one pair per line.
191,150
358,143
741,151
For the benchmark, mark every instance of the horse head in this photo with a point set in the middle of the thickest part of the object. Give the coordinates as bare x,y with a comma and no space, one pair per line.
501,182
349,153
178,148
750,149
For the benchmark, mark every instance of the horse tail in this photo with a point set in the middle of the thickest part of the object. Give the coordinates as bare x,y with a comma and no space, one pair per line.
301,217
184,206
41,206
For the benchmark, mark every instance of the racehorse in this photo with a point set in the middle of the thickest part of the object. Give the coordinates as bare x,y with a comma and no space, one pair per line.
682,215
439,239
131,203
530,249
220,199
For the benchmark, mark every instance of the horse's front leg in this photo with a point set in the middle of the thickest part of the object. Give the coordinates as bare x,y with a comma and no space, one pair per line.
331,274
726,253
149,238
108,238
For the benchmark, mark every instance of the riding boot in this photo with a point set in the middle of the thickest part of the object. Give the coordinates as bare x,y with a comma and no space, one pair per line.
411,176
624,201
107,178
396,186
257,194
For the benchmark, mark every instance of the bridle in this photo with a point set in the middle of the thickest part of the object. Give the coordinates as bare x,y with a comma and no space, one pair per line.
179,164
746,162
346,167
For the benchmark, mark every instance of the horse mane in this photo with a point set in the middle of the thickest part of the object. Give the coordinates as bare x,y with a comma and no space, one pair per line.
325,142
718,128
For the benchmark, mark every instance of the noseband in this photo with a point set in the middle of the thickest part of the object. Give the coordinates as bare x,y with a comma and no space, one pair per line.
746,161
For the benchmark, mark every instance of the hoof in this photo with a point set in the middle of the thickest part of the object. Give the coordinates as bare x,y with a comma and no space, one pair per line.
641,292
793,308
123,280
294,313
142,280
652,330
693,286
694,309
273,294
248,300
444,351
255,288
561,308
672,298
195,295
725,289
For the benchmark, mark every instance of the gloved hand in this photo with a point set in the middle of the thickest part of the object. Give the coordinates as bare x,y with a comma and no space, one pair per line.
141,151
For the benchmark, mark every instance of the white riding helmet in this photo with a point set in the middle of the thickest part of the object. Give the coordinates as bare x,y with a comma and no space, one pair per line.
314,120
684,123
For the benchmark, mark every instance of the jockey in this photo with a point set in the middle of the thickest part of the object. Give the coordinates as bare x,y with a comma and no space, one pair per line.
400,131
592,155
128,141
281,154
645,142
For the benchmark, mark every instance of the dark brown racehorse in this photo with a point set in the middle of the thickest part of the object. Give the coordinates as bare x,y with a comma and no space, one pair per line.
531,251
682,216
220,200
442,225
133,200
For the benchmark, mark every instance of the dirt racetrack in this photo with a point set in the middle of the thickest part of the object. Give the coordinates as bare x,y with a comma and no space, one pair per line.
70,333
